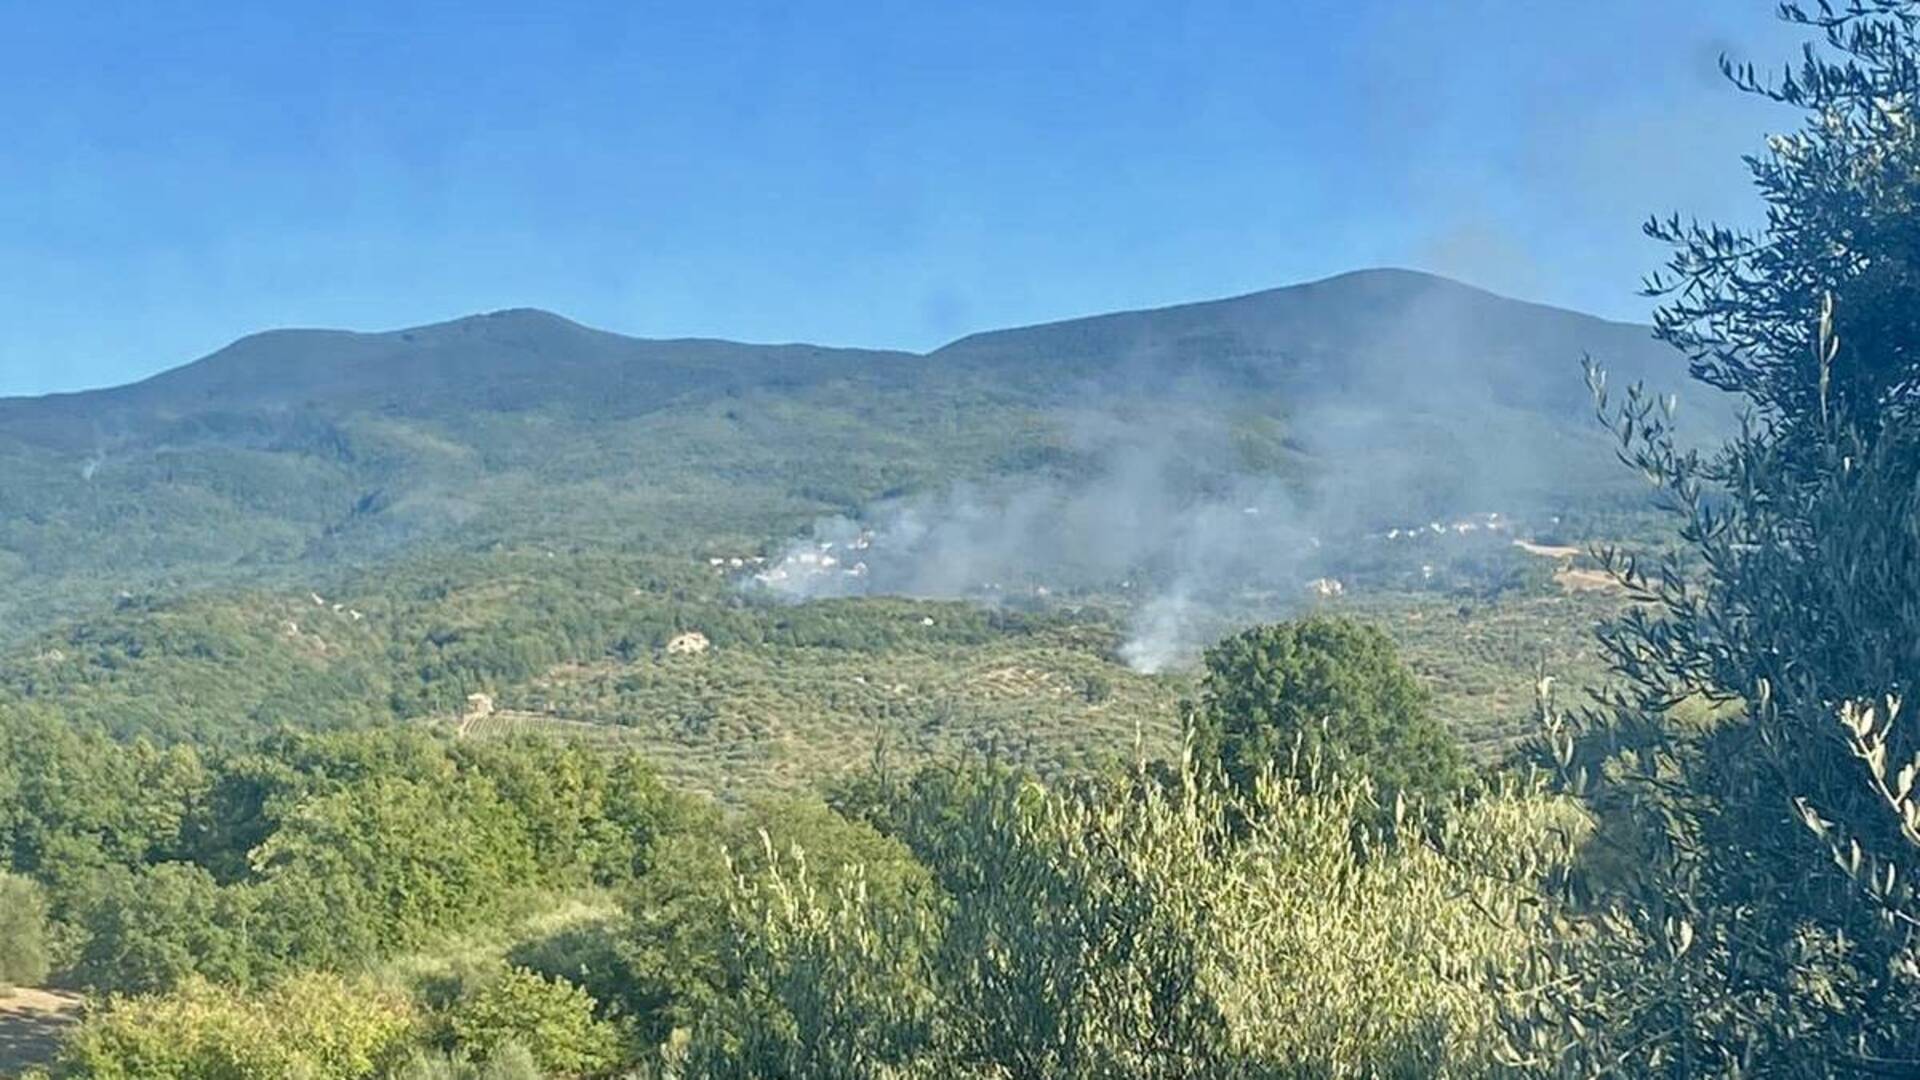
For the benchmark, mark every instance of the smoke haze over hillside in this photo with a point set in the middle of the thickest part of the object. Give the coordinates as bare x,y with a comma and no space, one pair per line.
1189,489
1156,515
1092,453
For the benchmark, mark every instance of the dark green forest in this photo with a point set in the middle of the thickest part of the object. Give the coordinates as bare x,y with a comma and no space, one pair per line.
490,773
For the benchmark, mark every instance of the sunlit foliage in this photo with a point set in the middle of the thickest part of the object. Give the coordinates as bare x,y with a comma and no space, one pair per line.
1142,929
1763,918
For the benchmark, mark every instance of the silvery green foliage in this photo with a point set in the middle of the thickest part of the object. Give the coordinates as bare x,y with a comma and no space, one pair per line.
1770,826
1170,928
1755,913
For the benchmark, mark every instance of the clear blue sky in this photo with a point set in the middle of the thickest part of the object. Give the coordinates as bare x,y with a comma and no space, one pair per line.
886,174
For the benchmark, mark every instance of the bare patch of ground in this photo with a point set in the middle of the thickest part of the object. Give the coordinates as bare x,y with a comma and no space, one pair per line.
1586,581
31,1023
1547,551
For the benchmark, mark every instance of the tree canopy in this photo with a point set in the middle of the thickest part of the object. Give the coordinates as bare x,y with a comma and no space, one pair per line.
1323,693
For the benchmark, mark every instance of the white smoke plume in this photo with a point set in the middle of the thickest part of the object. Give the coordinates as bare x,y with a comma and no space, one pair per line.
1407,460
1159,513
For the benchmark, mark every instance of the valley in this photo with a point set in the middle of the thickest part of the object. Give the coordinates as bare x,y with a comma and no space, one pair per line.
774,575
960,670
1016,545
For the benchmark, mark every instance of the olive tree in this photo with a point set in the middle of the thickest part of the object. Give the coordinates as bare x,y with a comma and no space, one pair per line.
1169,927
1765,918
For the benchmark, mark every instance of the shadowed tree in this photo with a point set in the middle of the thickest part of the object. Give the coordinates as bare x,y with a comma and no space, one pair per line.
1333,690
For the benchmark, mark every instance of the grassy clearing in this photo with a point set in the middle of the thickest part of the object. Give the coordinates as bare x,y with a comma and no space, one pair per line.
451,959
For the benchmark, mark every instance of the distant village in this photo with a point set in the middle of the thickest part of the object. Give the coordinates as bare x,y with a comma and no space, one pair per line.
816,567
1492,522
804,563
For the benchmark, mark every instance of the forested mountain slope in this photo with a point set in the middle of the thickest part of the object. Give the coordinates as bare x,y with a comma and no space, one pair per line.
297,453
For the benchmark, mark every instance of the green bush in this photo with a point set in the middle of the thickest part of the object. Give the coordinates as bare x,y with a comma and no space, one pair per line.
552,1020
149,929
681,915
316,1027
23,932
1327,691
590,954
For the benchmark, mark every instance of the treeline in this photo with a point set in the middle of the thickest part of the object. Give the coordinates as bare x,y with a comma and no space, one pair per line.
305,851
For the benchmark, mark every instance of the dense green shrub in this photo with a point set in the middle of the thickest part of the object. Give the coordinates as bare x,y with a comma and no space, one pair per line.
552,1020
1328,690
149,928
312,1026
24,957
681,916
306,851
591,954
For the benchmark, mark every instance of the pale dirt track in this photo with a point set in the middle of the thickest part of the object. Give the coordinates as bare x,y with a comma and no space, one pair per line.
31,1022
1547,551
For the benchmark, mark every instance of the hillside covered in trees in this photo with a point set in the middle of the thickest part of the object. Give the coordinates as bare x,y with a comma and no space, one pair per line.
509,808
293,457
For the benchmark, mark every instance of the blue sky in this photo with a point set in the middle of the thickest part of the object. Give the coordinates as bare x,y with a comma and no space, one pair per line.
884,174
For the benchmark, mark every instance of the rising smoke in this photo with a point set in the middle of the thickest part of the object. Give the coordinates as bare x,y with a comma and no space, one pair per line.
1164,511
1204,503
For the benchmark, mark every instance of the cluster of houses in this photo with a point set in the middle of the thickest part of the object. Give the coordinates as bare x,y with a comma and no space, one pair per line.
818,559
1493,522
722,563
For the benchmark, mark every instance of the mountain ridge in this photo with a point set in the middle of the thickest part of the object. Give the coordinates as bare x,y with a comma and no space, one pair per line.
293,450
1365,277
1372,279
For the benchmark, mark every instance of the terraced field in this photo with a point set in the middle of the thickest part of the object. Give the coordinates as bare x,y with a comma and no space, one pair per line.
1479,659
748,716
755,717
